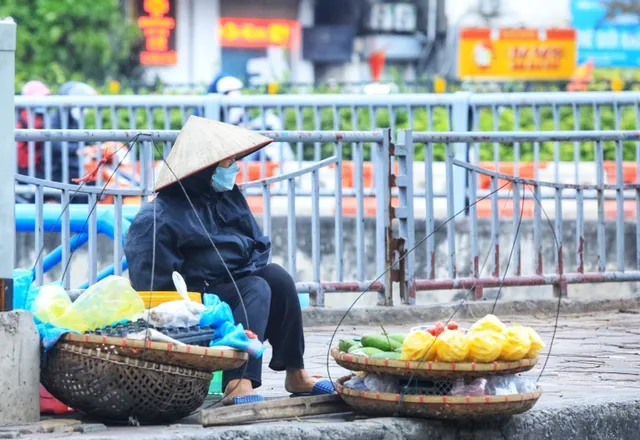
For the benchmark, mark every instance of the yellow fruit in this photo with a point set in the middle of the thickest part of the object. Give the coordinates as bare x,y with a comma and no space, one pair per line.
485,346
452,346
537,344
418,346
489,322
516,345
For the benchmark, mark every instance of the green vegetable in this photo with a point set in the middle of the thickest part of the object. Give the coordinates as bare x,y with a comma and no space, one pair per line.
366,351
398,350
381,342
400,337
345,344
355,346
386,355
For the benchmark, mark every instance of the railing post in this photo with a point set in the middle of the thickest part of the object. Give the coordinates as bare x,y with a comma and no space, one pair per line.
461,118
8,148
212,106
405,241
384,254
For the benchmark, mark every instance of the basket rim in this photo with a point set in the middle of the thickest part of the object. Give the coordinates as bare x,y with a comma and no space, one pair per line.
127,361
79,339
434,366
423,399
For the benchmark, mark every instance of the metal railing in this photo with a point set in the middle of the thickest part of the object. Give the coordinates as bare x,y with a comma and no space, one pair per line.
457,112
110,220
594,261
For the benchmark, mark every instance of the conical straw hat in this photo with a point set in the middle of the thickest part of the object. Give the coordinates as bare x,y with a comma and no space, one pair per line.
202,143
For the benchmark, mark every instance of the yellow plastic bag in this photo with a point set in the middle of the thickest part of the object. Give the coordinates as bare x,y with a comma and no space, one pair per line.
452,346
51,303
537,344
489,322
418,346
108,301
516,345
485,346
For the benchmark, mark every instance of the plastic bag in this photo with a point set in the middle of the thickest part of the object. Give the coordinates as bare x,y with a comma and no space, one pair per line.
175,314
452,346
525,384
517,344
537,344
110,300
501,386
23,292
485,345
489,322
51,303
216,312
475,388
356,383
382,384
419,346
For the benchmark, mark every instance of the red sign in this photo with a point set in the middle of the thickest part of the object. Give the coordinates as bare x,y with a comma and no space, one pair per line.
258,32
157,21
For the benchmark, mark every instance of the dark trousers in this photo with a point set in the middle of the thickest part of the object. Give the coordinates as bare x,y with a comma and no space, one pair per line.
273,310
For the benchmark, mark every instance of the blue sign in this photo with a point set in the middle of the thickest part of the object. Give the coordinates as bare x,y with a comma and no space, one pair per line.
609,42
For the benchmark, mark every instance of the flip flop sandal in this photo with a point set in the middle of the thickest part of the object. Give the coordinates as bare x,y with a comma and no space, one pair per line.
321,388
243,400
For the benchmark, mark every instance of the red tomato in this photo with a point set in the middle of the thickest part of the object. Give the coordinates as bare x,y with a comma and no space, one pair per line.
432,330
453,325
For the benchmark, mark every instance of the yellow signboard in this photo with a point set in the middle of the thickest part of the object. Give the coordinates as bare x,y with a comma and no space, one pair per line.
524,54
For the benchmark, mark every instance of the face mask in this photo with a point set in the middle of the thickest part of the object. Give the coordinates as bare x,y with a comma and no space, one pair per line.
224,178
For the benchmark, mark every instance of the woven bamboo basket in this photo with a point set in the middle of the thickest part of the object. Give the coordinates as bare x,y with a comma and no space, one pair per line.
436,407
205,359
429,370
121,389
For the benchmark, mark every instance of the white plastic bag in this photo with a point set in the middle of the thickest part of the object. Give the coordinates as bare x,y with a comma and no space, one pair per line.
501,386
174,314
382,384
475,388
356,383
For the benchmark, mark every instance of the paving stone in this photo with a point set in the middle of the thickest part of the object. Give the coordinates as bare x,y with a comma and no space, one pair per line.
89,427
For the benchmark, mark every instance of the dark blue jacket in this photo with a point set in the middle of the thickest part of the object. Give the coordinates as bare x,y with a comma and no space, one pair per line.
182,245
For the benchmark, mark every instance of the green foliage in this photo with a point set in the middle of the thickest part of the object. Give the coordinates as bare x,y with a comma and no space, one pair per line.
343,118
62,40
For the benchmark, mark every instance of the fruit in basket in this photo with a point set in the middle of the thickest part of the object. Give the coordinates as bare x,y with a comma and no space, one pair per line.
345,344
387,355
489,322
485,345
366,351
355,346
437,329
517,343
400,337
537,344
452,325
452,346
419,346
381,342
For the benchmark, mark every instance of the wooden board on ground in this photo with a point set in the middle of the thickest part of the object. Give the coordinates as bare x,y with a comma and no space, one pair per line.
287,408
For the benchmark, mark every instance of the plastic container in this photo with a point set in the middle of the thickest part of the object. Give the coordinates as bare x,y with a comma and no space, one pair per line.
154,299
216,383
51,405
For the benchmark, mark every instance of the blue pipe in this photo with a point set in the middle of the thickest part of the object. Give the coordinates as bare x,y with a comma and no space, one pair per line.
55,256
106,272
51,215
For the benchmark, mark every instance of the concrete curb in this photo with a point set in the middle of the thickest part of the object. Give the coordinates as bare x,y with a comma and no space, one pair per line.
593,420
469,310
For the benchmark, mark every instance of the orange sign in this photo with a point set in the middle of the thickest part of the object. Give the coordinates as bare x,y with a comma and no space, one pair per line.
525,54
157,26
258,32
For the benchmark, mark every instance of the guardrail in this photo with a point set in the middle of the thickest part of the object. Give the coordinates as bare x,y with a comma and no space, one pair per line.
38,217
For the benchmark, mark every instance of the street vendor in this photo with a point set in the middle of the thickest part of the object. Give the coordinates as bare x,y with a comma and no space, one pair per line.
205,231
